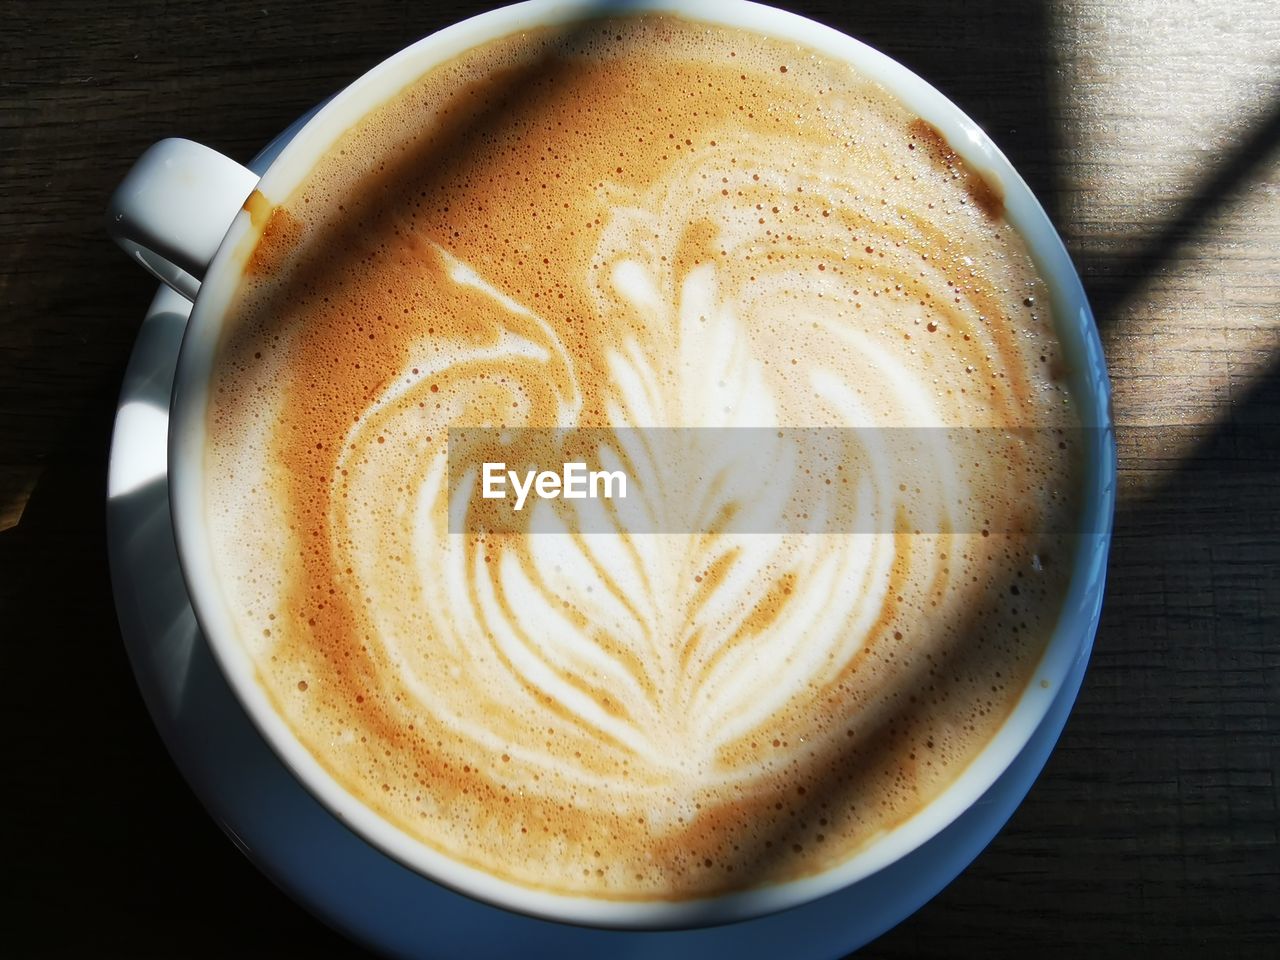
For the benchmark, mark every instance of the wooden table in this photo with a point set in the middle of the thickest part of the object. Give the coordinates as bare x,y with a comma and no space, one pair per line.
1151,132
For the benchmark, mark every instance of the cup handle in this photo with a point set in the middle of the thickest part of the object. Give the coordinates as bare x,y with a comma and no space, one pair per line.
173,208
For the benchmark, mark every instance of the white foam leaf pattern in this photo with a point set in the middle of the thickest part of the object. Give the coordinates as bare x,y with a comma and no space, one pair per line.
658,650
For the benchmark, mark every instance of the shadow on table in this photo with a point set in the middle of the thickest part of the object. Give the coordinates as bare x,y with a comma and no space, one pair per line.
1111,281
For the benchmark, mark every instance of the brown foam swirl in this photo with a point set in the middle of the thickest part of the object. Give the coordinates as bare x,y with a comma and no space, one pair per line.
643,224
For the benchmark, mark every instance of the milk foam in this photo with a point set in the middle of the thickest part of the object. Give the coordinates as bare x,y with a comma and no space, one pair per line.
644,224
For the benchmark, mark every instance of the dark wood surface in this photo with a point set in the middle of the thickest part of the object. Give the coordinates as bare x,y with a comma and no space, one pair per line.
1150,131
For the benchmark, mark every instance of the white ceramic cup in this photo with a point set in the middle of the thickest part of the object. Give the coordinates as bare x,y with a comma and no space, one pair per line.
180,213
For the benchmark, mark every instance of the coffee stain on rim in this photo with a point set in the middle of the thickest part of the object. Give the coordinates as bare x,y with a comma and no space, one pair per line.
258,207
279,232
982,192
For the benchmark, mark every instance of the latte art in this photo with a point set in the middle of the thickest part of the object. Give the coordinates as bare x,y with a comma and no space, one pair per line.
646,223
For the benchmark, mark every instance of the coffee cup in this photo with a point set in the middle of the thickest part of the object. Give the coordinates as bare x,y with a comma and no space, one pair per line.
202,224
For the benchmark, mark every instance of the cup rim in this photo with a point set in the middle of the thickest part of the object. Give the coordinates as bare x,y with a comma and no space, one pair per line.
1073,634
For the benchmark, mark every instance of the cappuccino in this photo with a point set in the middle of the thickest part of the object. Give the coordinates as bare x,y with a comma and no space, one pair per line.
640,222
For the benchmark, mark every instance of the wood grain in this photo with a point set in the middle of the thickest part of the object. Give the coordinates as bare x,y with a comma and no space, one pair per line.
1150,131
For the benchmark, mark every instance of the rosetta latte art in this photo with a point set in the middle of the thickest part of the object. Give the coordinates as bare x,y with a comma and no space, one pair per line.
618,635
617,714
